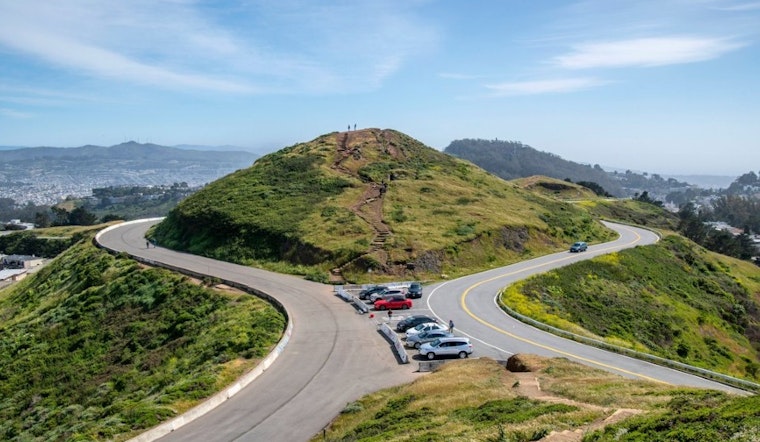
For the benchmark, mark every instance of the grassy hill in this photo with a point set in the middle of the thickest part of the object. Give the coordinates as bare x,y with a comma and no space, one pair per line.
96,347
372,200
479,400
673,299
511,160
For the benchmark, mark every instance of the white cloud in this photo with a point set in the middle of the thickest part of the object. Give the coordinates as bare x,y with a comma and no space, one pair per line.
646,52
248,47
563,85
10,113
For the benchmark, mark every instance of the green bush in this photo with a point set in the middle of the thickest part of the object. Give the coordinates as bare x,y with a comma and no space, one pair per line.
94,345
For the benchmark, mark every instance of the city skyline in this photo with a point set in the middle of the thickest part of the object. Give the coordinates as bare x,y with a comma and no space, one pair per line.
667,87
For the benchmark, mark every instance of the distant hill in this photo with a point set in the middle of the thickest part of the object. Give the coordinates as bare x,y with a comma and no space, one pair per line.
512,159
125,151
45,175
368,204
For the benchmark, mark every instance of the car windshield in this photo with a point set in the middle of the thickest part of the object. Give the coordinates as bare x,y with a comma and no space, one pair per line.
435,343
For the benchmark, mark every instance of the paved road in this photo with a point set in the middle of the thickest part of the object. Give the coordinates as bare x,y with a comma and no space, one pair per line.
334,356
320,371
471,302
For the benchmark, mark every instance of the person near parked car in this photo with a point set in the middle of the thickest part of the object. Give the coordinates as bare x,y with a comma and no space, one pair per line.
451,326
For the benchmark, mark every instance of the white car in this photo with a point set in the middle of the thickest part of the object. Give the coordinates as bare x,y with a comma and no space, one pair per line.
456,346
427,326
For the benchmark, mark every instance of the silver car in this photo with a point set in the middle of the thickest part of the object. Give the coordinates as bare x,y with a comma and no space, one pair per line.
417,340
454,346
419,328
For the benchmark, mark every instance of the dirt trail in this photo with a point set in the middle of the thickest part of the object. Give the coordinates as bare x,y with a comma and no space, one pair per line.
530,388
368,207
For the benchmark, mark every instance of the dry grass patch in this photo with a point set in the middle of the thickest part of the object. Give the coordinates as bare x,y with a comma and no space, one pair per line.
478,400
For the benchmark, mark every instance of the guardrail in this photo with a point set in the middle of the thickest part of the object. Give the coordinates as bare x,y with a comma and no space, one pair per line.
701,372
348,297
397,344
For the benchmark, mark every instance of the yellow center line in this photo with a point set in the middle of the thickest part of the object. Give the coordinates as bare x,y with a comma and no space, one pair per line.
463,304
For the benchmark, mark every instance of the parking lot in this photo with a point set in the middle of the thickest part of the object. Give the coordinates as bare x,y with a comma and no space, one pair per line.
389,306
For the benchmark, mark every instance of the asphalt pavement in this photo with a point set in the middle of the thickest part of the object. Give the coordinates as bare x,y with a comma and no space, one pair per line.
336,355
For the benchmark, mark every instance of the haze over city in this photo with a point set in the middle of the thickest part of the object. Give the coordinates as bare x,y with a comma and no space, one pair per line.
667,86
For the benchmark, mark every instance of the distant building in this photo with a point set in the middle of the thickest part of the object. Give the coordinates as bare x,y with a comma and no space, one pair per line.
8,276
18,225
20,262
720,225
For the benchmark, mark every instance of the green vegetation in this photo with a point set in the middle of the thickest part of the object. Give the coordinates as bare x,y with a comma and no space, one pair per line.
632,212
305,208
46,243
512,159
691,416
479,400
97,347
671,299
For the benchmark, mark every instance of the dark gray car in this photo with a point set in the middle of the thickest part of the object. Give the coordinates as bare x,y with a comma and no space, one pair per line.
412,321
415,290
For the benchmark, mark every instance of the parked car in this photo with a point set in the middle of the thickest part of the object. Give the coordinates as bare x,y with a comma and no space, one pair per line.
417,340
454,346
579,246
415,290
393,303
366,293
425,326
412,321
385,293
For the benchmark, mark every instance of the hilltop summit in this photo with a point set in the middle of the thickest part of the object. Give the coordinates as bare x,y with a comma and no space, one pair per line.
372,201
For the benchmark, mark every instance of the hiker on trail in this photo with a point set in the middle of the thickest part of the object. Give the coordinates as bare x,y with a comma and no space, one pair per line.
349,127
451,326
147,244
354,126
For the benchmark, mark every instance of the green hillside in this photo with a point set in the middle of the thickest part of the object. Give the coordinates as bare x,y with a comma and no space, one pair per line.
478,400
95,346
372,200
673,299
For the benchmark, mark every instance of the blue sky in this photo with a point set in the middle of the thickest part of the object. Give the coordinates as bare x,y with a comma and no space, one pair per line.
664,86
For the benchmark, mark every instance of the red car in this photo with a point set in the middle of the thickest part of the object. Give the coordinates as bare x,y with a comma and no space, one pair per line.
393,303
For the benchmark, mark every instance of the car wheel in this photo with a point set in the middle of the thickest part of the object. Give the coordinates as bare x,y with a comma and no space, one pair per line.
462,354
404,307
417,345
382,307
431,355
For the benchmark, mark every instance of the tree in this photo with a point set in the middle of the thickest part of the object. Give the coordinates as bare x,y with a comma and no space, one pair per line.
110,217
81,217
645,198
692,224
60,216
599,190
41,219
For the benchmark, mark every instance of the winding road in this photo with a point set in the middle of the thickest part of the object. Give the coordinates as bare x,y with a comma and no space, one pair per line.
335,355
471,303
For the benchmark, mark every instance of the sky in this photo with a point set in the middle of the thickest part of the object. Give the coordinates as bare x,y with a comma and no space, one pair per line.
663,86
